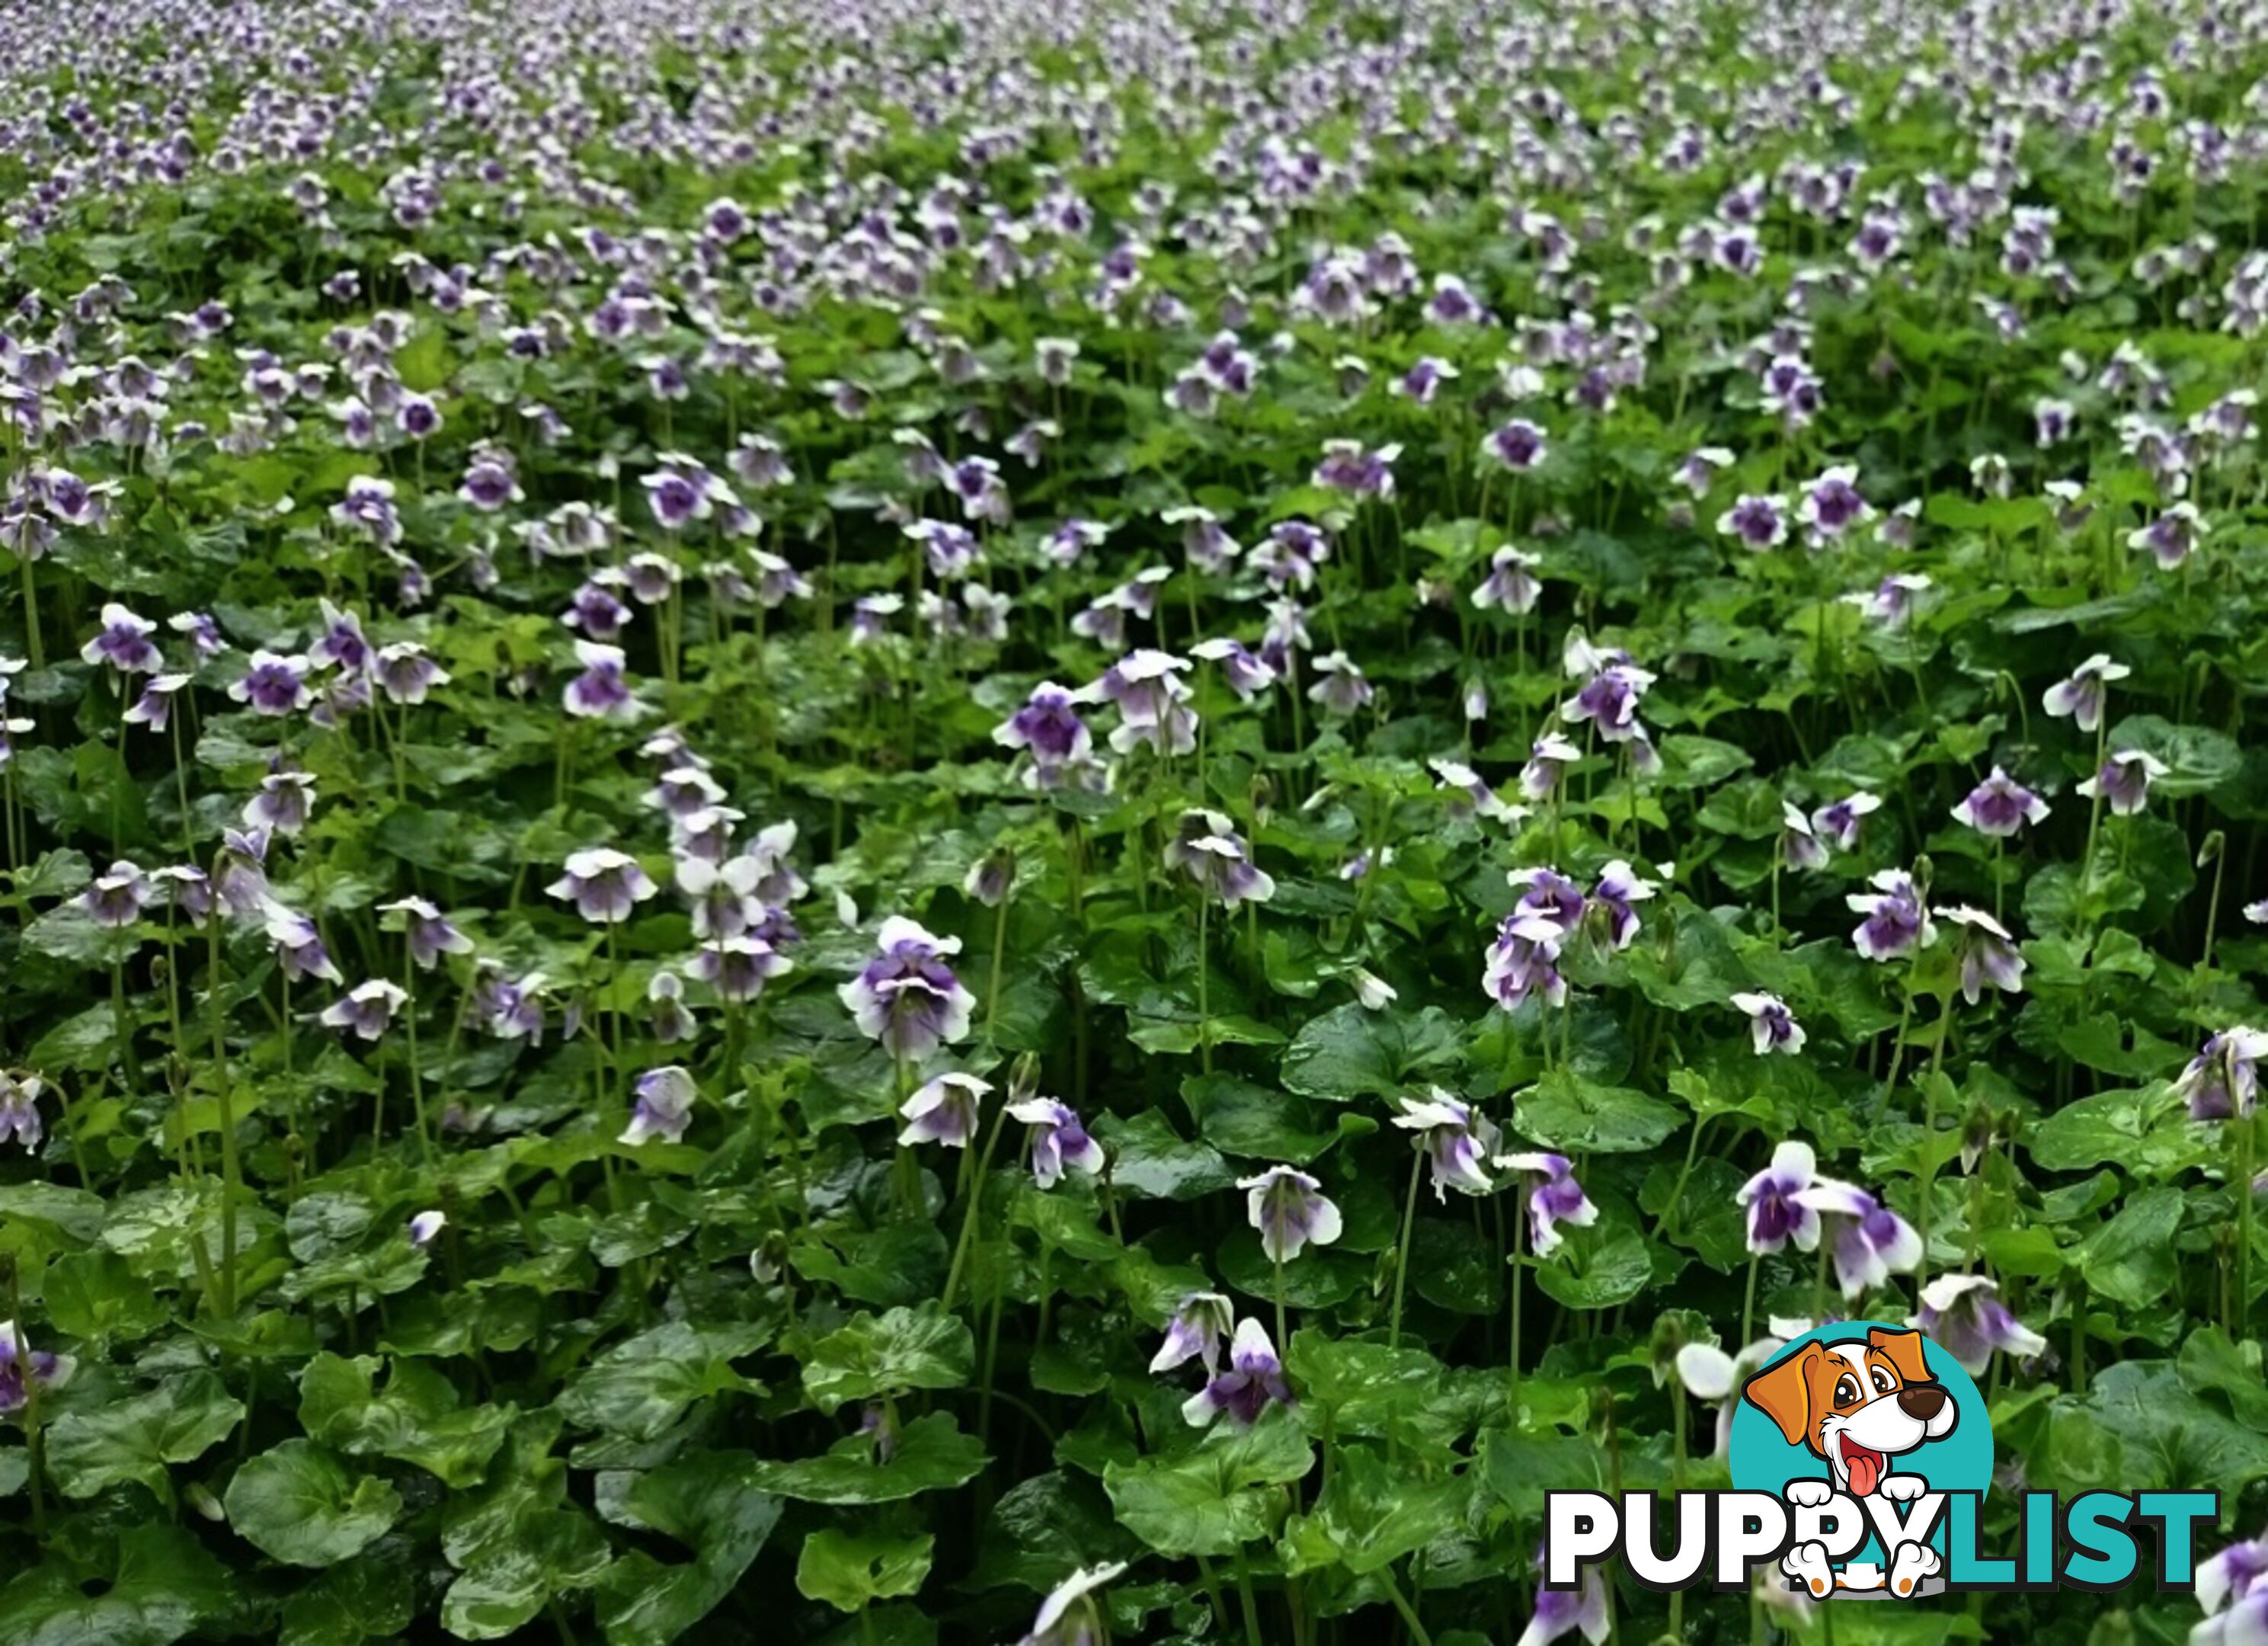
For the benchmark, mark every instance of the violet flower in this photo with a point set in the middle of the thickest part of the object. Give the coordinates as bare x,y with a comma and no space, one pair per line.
1563,1611
605,886
1872,1243
1059,1141
1553,1197
1457,1138
1288,1208
154,708
47,1370
428,932
1619,888
1771,1024
1547,758
1070,1615
1987,952
664,1108
1253,1378
737,967
2124,780
944,1109
1511,585
19,1109
299,946
1896,924
2222,1081
907,997
117,896
2000,807
1773,1198
123,643
366,1010
2082,695
1206,846
273,684
1840,820
601,692
1201,1319
425,1228
1963,1314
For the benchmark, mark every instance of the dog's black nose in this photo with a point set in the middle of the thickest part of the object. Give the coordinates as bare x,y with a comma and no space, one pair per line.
1922,1400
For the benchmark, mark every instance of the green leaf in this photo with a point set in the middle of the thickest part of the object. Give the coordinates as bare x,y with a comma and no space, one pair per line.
2131,1259
1351,1053
97,1294
1216,1497
1373,1514
300,1503
93,1448
549,1552
849,1570
1575,1116
1149,1159
932,1454
160,1585
639,1388
416,1421
372,1596
711,1503
904,1349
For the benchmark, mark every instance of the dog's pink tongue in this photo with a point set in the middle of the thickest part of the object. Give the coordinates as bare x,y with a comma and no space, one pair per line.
1865,1470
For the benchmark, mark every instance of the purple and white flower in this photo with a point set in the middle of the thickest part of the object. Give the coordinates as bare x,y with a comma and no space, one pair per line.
2123,781
1288,1208
2000,807
1206,846
1896,924
46,1368
944,1109
365,1009
1965,1314
1060,1140
1771,1025
19,1109
2223,1082
1986,952
1458,1140
664,1108
1552,1195
273,683
2081,697
1201,1319
1872,1243
907,997
1070,1615
1774,1201
123,643
428,932
605,886
1253,1378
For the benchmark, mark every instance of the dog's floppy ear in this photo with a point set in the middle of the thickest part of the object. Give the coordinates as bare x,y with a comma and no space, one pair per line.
1904,1349
1782,1393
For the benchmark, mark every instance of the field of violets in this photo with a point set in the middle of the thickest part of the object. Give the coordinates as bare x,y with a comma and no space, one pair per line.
1033,821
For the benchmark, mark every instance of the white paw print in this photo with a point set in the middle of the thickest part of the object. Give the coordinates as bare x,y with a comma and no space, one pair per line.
1913,1562
1808,1493
1903,1488
1806,1562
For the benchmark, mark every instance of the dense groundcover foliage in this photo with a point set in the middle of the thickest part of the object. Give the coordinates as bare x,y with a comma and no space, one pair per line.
821,817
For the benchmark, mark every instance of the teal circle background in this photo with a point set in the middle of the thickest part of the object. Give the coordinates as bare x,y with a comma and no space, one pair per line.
1763,1461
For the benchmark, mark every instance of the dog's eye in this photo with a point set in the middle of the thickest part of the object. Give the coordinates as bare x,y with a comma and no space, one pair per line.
1884,1382
1846,1390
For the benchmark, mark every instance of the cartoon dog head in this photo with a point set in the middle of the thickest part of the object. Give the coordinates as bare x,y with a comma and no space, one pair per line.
1857,1405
